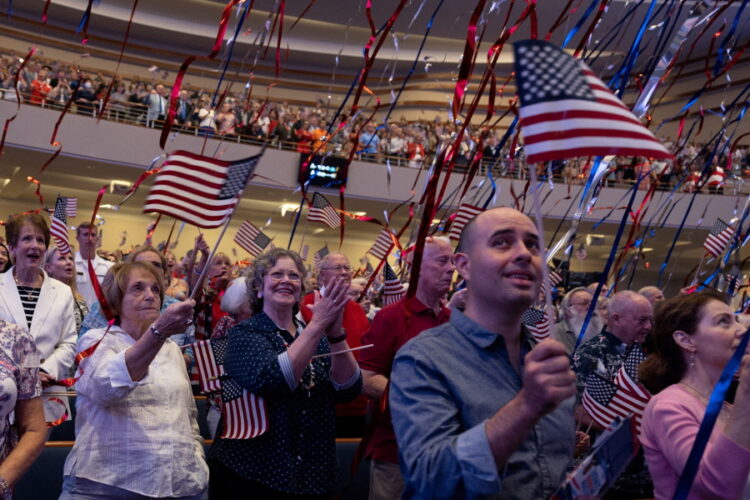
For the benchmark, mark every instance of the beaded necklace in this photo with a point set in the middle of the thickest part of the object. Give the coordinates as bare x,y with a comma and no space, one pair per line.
308,376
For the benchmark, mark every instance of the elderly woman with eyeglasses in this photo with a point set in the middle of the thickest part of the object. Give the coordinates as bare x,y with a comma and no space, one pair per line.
136,429
276,357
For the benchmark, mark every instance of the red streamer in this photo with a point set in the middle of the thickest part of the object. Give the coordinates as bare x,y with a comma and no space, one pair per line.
98,202
18,97
105,100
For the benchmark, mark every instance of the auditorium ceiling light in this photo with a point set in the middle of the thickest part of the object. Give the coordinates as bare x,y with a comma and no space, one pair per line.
288,207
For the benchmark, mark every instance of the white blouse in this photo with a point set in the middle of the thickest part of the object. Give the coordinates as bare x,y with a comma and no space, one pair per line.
140,436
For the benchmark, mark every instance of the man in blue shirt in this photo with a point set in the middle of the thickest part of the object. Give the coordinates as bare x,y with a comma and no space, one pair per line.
479,408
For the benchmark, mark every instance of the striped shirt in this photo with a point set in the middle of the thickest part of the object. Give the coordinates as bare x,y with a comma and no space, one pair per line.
29,298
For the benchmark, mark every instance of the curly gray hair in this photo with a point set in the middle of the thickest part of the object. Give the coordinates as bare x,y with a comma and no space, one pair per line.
261,265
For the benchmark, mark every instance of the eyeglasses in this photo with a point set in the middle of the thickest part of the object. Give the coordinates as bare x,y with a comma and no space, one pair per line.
292,276
338,269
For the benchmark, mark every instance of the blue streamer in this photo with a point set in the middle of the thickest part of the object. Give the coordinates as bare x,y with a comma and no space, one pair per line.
231,49
723,45
610,261
620,80
612,34
492,192
580,23
713,408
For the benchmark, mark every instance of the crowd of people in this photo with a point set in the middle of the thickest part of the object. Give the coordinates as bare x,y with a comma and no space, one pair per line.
462,400
316,128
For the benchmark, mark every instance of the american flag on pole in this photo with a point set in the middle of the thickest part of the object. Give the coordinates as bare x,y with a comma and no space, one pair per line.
305,250
200,190
464,214
251,239
319,256
393,290
209,371
718,238
627,376
382,246
71,205
244,414
566,111
321,210
59,226
604,401
537,322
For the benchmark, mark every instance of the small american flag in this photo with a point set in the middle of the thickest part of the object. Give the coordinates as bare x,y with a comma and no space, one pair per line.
71,206
244,414
719,238
59,226
464,214
627,376
393,290
319,256
321,210
566,111
305,250
209,371
382,246
604,401
251,239
537,322
200,190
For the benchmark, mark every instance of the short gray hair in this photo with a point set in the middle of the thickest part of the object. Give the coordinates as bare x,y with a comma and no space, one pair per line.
261,265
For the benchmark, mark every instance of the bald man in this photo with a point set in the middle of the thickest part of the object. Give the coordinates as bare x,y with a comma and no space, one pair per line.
481,409
350,417
630,319
392,327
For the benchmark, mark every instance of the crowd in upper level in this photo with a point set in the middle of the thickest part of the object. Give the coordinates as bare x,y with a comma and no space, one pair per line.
315,128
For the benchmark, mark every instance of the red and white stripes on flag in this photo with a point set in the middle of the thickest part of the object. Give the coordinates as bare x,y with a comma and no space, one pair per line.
604,401
319,256
244,414
321,210
537,322
627,376
71,206
463,215
197,189
393,289
251,239
718,238
567,111
209,371
382,246
58,227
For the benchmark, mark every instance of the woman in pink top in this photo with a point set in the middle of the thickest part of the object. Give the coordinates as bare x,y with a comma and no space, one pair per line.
694,337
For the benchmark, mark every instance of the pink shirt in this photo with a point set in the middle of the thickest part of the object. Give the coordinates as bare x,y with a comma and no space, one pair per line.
670,424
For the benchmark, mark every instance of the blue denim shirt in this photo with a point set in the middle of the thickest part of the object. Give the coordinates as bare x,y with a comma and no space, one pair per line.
445,384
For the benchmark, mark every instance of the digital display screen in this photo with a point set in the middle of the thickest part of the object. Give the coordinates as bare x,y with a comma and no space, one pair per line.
323,171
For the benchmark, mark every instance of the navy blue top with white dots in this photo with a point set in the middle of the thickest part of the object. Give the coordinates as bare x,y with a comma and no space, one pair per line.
297,454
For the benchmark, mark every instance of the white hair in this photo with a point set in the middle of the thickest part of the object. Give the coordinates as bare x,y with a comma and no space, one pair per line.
234,296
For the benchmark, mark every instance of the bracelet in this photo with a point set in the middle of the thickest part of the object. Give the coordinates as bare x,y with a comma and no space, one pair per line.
157,334
336,340
4,486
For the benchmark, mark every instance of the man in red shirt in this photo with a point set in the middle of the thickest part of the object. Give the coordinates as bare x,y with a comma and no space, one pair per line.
350,417
391,328
40,86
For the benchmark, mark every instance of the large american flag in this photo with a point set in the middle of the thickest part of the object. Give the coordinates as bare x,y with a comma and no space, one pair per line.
465,213
59,226
537,322
244,414
251,239
320,210
199,190
393,289
718,238
382,245
566,111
